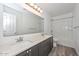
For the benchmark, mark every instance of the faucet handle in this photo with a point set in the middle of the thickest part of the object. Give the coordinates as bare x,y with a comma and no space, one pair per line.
42,34
17,39
20,38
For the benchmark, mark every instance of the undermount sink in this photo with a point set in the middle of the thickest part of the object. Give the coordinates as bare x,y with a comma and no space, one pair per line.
34,39
23,43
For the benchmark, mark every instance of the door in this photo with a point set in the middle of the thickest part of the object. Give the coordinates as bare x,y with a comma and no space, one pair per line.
62,30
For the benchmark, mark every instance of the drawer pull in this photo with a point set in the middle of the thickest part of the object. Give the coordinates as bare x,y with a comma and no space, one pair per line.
27,51
30,50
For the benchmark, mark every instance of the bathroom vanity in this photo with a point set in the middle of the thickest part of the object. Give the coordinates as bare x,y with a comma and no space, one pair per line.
32,45
41,49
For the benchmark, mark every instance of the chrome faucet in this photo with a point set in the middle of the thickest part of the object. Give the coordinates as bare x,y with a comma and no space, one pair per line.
42,34
19,39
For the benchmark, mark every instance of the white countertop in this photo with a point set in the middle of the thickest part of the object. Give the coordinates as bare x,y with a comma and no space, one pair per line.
18,47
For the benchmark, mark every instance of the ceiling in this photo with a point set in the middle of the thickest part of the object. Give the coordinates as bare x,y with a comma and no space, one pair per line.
55,9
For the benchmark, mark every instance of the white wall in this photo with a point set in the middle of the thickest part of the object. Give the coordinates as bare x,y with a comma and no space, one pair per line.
1,21
66,15
76,27
47,23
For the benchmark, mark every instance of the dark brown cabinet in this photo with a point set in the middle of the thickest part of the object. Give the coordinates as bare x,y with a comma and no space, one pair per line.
51,40
45,47
34,51
41,49
24,53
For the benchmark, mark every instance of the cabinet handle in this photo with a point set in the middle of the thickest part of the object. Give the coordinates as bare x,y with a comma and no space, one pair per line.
27,51
30,50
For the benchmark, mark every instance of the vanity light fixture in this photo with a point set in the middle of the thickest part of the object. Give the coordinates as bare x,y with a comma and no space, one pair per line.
35,7
41,11
31,4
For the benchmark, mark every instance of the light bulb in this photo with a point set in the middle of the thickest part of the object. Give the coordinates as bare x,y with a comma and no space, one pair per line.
41,11
35,7
31,4
38,9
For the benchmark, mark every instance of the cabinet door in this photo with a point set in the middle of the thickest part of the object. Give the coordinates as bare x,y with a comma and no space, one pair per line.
44,48
34,51
51,39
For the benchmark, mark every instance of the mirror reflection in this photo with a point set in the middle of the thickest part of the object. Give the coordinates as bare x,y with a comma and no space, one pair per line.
20,22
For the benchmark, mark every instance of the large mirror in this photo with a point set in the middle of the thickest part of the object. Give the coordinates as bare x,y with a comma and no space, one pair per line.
20,22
